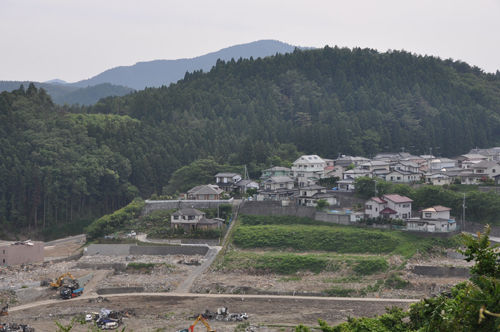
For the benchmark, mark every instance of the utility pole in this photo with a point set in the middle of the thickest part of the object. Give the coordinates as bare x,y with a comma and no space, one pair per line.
375,181
463,214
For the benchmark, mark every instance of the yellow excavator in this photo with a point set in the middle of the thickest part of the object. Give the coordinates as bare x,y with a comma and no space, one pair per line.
199,319
59,281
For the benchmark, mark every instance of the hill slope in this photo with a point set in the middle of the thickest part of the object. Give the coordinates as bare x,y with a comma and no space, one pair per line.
163,72
65,166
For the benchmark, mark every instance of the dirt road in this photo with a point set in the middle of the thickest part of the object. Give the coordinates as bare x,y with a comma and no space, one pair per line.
171,311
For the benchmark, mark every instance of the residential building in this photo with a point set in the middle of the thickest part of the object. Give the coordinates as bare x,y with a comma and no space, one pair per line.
243,185
438,179
25,252
487,168
308,169
277,182
400,176
346,185
399,204
373,207
225,181
434,219
191,219
470,157
310,195
276,171
205,192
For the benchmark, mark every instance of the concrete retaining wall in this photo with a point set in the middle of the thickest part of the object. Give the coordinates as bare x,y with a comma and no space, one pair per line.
333,218
132,249
441,271
119,290
168,250
274,208
176,204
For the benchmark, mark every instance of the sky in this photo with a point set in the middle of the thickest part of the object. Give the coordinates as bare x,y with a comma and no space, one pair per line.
73,40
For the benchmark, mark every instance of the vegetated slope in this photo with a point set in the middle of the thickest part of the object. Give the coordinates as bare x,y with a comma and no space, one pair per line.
326,101
57,167
163,72
68,94
304,234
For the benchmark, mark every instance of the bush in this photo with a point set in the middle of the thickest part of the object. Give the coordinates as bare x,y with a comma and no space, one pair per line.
338,291
395,281
370,266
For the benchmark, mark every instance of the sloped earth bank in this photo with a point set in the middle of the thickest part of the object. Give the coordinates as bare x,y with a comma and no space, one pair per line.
168,313
399,281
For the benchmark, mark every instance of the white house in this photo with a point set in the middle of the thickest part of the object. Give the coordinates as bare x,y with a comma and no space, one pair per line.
438,179
399,204
389,206
487,168
400,176
308,169
434,219
277,182
373,207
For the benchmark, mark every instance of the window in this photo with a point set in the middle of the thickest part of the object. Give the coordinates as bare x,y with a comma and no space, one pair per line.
428,214
175,218
4,260
405,215
368,207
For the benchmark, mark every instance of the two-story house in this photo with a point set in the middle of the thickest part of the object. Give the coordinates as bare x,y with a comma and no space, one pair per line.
226,181
308,169
434,219
391,206
310,195
401,205
191,219
373,207
487,168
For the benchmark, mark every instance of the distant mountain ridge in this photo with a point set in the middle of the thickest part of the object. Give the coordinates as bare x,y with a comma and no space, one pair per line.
68,94
163,72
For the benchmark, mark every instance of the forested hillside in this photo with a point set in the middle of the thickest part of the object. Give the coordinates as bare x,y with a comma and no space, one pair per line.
59,164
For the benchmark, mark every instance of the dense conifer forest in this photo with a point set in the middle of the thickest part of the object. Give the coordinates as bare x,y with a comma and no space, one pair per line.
61,164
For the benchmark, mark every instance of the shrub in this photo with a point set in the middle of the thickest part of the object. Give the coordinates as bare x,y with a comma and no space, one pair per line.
339,291
395,281
370,266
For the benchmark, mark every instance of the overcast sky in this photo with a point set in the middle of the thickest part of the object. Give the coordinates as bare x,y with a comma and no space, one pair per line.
77,39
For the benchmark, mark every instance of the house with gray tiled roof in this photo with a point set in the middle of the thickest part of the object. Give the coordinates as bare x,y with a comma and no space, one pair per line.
205,192
191,219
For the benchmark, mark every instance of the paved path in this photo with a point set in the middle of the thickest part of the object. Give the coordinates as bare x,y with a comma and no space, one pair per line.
492,238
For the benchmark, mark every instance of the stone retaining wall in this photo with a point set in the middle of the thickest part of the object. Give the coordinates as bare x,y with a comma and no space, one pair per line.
441,271
179,204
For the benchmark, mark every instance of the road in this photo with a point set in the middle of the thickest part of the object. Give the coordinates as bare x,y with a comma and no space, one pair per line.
215,296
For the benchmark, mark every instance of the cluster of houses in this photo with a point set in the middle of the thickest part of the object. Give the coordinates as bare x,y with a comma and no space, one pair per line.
433,219
301,184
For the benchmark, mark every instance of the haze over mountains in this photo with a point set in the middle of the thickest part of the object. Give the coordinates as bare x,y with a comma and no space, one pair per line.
122,80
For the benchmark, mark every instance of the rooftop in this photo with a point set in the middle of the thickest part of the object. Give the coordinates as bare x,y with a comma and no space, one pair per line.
397,198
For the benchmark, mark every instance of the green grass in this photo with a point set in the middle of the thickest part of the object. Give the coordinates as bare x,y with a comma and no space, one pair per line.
304,234
339,291
291,263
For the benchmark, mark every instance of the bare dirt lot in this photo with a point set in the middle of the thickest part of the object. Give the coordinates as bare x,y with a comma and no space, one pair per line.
169,313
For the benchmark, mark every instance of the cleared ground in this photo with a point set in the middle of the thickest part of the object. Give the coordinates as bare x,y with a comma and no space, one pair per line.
169,313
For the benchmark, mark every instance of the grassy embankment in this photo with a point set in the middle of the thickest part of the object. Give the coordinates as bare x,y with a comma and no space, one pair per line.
294,246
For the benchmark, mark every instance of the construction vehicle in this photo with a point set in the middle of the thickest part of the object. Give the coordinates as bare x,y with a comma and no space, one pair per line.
70,292
62,280
204,321
5,310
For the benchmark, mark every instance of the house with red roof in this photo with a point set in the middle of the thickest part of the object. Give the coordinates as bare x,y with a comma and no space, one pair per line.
391,206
